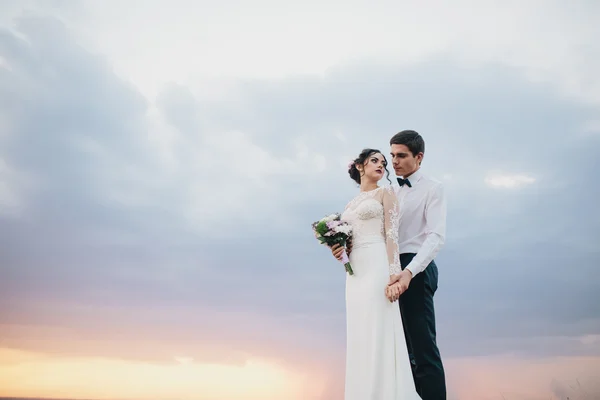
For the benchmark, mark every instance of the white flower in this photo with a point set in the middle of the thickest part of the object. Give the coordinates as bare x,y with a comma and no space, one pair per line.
330,217
346,229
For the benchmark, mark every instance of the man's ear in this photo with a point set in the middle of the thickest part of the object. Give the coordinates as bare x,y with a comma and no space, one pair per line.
419,157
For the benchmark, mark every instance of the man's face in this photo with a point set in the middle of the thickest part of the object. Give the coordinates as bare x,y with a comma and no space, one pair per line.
403,161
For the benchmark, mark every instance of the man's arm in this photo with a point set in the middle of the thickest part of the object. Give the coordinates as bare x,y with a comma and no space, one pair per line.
435,219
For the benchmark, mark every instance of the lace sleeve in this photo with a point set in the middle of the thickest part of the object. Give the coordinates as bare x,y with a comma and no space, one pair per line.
391,222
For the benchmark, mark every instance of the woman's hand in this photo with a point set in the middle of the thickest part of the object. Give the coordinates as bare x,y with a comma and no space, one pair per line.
393,292
338,249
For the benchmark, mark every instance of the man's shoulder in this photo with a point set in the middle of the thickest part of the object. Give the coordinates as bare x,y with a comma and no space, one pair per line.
432,181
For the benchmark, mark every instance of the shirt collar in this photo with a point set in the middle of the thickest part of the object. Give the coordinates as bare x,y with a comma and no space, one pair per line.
415,176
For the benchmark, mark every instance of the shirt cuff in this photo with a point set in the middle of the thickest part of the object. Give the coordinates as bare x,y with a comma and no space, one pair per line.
414,269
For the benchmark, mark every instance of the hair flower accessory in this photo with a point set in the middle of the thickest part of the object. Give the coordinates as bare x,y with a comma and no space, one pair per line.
350,165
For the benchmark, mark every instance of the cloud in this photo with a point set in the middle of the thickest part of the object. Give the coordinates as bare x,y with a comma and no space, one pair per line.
508,181
239,40
194,211
10,198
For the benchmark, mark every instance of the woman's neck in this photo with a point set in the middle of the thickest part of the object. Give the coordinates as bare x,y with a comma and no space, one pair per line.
368,186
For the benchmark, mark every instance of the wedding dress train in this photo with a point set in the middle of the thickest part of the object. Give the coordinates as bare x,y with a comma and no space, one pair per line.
377,362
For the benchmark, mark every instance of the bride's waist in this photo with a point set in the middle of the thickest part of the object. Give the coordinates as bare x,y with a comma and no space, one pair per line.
366,240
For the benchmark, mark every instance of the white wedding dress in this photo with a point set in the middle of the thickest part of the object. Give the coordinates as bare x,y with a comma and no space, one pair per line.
377,362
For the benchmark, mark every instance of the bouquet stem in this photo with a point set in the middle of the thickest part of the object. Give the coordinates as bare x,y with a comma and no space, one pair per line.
346,263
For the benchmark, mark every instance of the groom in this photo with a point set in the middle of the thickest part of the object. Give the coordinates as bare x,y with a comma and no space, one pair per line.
421,235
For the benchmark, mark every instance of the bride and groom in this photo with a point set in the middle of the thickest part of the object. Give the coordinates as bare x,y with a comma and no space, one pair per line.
397,232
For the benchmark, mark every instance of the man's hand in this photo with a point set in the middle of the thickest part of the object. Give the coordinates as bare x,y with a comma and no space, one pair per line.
402,279
338,249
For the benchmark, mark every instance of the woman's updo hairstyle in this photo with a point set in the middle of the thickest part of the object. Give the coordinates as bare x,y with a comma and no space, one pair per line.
364,155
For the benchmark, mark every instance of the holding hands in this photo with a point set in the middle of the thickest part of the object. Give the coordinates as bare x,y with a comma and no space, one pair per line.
398,284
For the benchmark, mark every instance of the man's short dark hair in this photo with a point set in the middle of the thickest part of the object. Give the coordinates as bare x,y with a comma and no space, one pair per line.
410,139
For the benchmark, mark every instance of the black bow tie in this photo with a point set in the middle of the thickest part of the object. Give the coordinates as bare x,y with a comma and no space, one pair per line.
401,182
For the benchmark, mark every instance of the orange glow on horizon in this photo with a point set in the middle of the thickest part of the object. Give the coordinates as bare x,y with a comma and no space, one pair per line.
31,374
27,374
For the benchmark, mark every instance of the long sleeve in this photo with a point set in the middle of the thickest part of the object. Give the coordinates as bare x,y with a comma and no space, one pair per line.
435,218
391,222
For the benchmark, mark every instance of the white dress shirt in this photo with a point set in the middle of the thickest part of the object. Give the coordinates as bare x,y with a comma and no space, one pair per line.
422,227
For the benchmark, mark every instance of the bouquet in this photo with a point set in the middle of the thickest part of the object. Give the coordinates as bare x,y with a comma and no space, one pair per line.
331,230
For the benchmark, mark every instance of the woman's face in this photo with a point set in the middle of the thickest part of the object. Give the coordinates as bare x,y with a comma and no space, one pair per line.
374,167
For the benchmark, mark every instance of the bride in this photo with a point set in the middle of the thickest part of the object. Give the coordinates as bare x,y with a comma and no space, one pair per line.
377,362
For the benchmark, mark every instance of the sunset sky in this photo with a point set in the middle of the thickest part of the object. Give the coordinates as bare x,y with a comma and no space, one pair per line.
161,163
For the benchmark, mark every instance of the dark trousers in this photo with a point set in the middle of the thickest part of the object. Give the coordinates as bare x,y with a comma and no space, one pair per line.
418,318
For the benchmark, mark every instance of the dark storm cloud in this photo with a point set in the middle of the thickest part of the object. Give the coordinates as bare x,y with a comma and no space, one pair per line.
519,263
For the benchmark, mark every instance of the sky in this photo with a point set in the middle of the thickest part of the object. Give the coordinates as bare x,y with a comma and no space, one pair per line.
161,164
